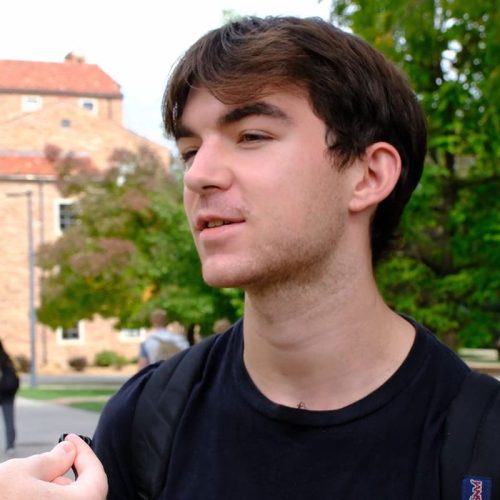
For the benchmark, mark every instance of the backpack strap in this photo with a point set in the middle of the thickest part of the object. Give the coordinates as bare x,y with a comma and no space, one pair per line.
470,457
158,412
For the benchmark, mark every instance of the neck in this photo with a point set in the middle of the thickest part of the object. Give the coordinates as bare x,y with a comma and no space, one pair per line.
325,345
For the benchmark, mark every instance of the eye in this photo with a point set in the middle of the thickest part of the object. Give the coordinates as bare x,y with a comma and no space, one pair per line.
251,137
188,155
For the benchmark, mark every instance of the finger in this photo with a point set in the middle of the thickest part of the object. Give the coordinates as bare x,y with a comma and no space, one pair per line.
52,464
90,470
63,480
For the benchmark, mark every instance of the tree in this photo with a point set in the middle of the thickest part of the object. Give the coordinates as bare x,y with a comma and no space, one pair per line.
130,251
446,269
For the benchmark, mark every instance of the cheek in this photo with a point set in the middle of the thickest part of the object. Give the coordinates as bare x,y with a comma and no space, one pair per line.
188,200
288,200
186,194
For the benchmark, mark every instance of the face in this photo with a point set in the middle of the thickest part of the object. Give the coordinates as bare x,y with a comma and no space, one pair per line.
264,201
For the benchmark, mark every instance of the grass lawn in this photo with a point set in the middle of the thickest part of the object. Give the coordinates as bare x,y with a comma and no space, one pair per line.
84,398
46,393
96,406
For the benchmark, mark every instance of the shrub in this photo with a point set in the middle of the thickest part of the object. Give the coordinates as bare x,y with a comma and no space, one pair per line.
105,358
120,362
78,363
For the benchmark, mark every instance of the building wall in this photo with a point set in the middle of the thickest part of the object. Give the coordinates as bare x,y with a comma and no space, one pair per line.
11,106
98,334
82,132
95,133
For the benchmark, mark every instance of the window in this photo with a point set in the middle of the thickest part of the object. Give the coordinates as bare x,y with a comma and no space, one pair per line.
66,214
31,103
70,333
65,123
132,334
73,335
88,104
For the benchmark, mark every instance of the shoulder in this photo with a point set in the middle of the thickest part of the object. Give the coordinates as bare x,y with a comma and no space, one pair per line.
120,407
440,366
118,434
117,416
168,336
118,413
437,350
110,442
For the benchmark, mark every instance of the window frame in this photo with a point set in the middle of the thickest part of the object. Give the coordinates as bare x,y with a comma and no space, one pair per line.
80,326
57,214
136,339
95,104
31,103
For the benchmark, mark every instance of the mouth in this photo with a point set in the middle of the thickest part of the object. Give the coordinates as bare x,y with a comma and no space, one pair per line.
216,223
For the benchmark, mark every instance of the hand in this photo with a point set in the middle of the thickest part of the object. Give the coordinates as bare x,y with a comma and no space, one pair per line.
42,476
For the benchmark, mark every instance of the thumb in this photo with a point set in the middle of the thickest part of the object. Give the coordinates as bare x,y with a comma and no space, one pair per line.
52,464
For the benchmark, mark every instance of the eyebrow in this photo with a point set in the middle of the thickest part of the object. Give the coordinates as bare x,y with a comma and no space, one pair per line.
237,114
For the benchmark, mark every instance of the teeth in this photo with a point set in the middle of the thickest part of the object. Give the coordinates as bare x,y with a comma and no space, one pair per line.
215,223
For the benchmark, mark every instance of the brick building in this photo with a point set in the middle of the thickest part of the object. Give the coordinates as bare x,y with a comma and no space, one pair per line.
78,108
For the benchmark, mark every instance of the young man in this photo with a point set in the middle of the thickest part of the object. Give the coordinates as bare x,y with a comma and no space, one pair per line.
302,146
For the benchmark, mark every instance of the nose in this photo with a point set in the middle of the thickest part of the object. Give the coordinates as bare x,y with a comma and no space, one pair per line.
210,168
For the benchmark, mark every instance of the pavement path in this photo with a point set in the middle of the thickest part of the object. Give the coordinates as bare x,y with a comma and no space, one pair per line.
39,425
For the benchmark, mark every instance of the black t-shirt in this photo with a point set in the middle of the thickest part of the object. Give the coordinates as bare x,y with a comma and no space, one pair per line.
233,443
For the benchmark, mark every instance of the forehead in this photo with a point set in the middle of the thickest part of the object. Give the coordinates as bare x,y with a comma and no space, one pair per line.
203,106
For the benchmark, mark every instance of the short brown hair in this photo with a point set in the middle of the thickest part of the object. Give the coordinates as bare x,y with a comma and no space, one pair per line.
355,90
158,318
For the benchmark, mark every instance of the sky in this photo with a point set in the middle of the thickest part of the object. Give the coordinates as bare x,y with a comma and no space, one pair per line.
136,42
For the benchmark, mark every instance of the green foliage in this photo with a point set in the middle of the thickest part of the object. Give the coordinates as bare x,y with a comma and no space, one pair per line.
446,271
105,358
110,358
131,250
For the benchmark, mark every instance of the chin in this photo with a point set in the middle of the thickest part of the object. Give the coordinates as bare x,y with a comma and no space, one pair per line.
226,276
221,280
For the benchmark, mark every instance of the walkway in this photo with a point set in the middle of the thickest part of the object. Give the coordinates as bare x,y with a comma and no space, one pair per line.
39,425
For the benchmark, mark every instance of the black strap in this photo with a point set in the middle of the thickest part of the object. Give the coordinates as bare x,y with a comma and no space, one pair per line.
472,439
158,412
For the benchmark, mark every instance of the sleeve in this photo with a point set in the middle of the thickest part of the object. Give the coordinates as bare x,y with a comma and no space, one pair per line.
110,442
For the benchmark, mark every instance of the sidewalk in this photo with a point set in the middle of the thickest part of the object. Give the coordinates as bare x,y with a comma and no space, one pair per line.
39,425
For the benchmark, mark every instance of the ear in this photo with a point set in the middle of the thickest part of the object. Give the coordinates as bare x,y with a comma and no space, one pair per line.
377,174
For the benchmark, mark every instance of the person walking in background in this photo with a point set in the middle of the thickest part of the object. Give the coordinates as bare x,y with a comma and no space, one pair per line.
193,335
162,343
9,384
221,325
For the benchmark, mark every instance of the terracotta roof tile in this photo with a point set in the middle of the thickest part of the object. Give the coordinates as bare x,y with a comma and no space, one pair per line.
37,164
67,77
26,165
